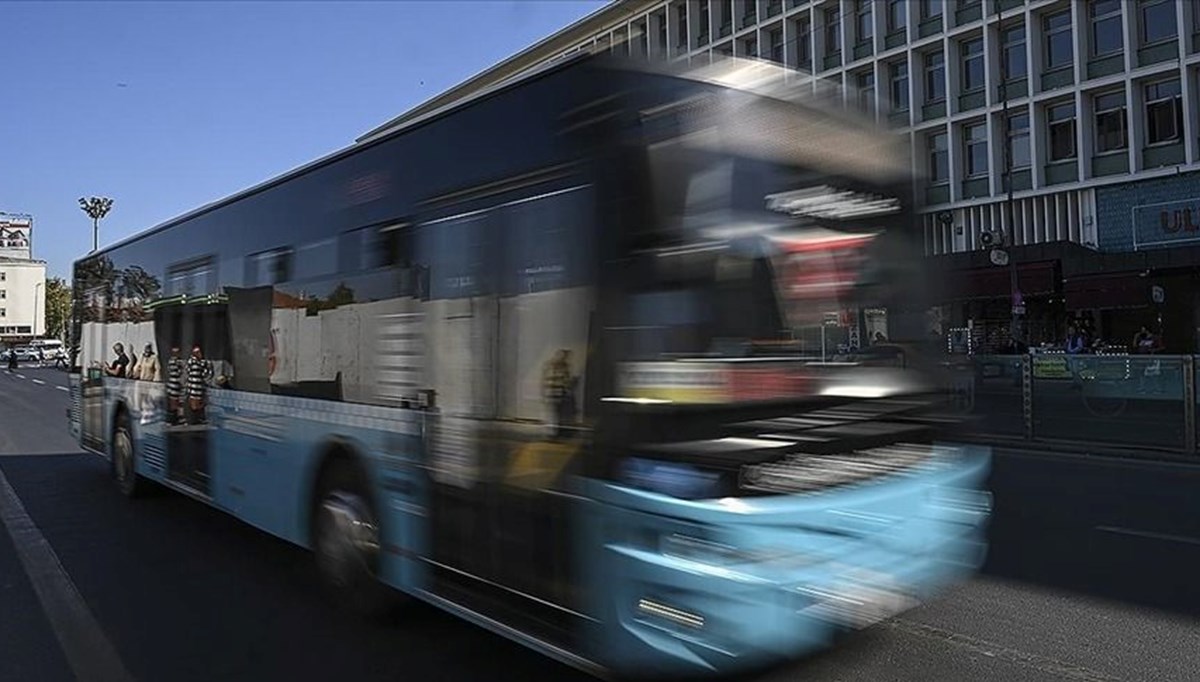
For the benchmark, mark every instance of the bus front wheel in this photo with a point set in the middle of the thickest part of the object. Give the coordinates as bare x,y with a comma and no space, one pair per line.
346,543
124,459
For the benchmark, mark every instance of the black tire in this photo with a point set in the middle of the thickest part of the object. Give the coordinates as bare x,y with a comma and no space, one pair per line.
346,544
123,462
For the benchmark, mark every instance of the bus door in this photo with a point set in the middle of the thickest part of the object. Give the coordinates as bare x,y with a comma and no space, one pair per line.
503,510
195,338
91,382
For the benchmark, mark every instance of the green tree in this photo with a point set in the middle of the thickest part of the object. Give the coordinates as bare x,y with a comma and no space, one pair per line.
58,307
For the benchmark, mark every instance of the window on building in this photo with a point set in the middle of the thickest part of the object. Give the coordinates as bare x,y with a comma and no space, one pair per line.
681,25
972,64
702,27
775,37
803,43
1158,20
3,276
968,4
1017,131
938,145
935,77
866,90
726,17
864,20
975,149
1164,112
897,15
3,294
1110,121
898,85
833,31
1057,29
1012,52
3,312
931,8
1107,33
1061,119
661,21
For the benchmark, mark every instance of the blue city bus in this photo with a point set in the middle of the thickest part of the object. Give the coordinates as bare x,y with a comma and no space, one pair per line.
574,358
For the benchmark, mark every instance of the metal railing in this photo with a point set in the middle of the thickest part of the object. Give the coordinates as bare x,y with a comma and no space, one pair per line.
1125,401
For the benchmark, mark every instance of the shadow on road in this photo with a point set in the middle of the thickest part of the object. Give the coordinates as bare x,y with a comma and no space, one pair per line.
1125,530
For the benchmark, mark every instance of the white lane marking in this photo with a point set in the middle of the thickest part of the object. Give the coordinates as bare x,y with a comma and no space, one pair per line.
1150,534
62,388
1043,664
90,654
39,382
20,376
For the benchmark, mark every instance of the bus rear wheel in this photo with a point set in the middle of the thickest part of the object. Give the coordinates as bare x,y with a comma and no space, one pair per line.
124,459
346,543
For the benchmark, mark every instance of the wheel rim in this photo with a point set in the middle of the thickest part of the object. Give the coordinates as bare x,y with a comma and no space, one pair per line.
347,539
123,456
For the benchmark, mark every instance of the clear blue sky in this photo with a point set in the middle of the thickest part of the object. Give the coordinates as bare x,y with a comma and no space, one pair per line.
166,106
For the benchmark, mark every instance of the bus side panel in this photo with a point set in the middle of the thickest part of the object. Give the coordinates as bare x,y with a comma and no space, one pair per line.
268,450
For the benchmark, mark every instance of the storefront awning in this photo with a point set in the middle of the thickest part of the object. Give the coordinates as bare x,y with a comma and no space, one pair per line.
1104,292
1033,279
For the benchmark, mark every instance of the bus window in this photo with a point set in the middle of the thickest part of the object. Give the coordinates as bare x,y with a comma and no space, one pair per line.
269,267
316,259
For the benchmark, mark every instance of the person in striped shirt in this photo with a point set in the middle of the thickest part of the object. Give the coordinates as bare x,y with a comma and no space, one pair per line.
175,371
199,373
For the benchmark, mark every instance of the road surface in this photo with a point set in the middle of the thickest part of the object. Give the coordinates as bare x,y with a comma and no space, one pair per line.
93,586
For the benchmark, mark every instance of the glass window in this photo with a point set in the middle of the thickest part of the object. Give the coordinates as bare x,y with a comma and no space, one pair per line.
939,157
3,294
3,312
1061,120
833,31
935,77
897,15
702,21
750,47
1106,27
266,268
1012,40
803,43
1110,122
681,25
972,64
1057,28
776,38
975,149
898,75
1164,112
931,8
454,251
864,20
866,90
318,259
1158,20
548,242
1018,140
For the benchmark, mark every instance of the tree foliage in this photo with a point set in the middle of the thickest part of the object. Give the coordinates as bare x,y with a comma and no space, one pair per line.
58,307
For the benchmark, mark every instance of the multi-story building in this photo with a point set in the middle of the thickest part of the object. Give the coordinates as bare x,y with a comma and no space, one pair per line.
22,282
1068,126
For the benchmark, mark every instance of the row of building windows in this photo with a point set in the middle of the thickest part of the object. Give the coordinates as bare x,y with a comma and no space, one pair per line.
1163,107
1155,21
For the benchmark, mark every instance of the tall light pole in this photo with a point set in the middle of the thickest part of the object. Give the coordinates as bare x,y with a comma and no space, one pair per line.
96,208
1009,235
36,287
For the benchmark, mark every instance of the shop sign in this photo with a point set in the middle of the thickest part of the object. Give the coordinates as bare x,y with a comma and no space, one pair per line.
1051,367
1169,223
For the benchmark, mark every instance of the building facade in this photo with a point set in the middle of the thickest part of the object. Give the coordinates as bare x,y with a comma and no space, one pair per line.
1070,123
22,282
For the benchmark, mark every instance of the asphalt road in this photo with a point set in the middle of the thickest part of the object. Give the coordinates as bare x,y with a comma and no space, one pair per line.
174,590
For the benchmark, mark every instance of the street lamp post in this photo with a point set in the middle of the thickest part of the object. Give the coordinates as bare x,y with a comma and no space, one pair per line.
96,208
1009,235
37,286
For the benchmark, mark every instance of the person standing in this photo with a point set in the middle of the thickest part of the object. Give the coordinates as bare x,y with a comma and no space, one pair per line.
149,370
558,388
175,372
199,373
120,364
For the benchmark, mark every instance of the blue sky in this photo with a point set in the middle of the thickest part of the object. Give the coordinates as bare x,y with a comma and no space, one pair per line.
166,106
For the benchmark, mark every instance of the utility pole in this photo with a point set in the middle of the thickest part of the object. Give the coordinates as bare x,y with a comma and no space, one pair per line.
1009,236
96,208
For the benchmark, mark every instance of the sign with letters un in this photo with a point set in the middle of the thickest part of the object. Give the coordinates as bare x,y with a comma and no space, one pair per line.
1166,224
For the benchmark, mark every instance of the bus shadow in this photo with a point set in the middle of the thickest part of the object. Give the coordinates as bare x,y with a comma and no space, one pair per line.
1121,530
